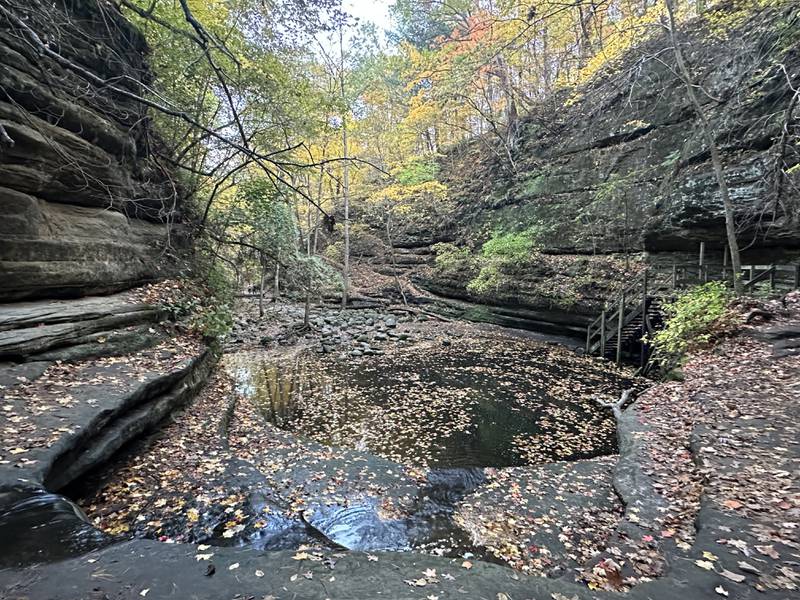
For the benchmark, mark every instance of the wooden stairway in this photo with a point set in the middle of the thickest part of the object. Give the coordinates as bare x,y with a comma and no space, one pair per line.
634,313
637,312
635,326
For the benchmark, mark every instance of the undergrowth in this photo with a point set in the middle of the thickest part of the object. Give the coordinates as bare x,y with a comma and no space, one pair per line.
694,320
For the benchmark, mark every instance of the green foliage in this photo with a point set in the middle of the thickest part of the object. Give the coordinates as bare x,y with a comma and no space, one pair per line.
450,258
213,318
202,300
694,319
488,278
417,170
310,274
267,218
511,246
502,253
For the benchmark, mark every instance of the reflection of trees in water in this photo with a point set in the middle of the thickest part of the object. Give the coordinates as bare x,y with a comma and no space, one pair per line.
298,398
494,404
276,389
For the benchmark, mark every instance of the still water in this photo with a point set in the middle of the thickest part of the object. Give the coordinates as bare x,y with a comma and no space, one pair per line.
464,405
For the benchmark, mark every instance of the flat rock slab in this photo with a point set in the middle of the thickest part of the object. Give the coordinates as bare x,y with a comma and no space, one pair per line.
12,374
544,520
29,328
149,569
20,315
68,405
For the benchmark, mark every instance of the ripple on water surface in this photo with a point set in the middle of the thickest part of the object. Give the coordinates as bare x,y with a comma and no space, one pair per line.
478,402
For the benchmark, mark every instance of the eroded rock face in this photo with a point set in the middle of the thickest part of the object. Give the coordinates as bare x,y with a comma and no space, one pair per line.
622,161
621,164
85,208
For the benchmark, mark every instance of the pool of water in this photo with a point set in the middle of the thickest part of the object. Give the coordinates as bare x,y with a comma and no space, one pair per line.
469,403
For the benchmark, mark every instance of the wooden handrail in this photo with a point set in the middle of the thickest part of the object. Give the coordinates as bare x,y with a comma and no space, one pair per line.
620,310
768,272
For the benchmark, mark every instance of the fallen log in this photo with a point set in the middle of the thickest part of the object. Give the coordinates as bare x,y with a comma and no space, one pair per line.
418,311
618,406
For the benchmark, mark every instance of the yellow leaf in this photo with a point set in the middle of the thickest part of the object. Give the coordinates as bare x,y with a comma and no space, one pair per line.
704,564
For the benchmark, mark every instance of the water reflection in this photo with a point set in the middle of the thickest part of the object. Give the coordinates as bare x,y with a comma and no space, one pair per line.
497,406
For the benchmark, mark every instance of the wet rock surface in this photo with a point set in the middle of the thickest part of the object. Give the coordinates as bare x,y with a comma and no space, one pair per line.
705,474
240,480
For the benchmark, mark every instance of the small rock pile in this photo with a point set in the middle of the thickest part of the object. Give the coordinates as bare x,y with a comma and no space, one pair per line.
354,332
363,332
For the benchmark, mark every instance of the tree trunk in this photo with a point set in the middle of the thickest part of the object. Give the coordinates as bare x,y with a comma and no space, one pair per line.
345,180
716,161
261,288
276,287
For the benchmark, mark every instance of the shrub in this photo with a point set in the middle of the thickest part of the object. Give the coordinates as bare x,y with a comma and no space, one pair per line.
694,319
450,257
417,170
203,299
503,252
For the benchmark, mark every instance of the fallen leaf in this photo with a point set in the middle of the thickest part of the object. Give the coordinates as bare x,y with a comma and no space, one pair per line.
721,591
704,564
768,551
735,577
748,568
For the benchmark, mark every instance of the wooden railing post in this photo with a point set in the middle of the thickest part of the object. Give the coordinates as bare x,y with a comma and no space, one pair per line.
724,263
752,272
643,354
674,276
619,326
603,333
772,278
797,277
588,338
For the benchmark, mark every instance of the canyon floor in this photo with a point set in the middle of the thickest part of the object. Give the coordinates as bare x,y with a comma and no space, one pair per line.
289,477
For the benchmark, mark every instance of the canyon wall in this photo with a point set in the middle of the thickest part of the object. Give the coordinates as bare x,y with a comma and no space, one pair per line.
86,207
621,164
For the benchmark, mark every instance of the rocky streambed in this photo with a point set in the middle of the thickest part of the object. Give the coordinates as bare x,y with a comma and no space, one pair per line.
422,488
369,431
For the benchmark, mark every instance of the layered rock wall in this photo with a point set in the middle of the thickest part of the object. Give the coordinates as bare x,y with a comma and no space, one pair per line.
621,165
623,162
86,208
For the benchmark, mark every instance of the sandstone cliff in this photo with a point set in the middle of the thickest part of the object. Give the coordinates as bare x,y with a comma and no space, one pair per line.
621,164
86,208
